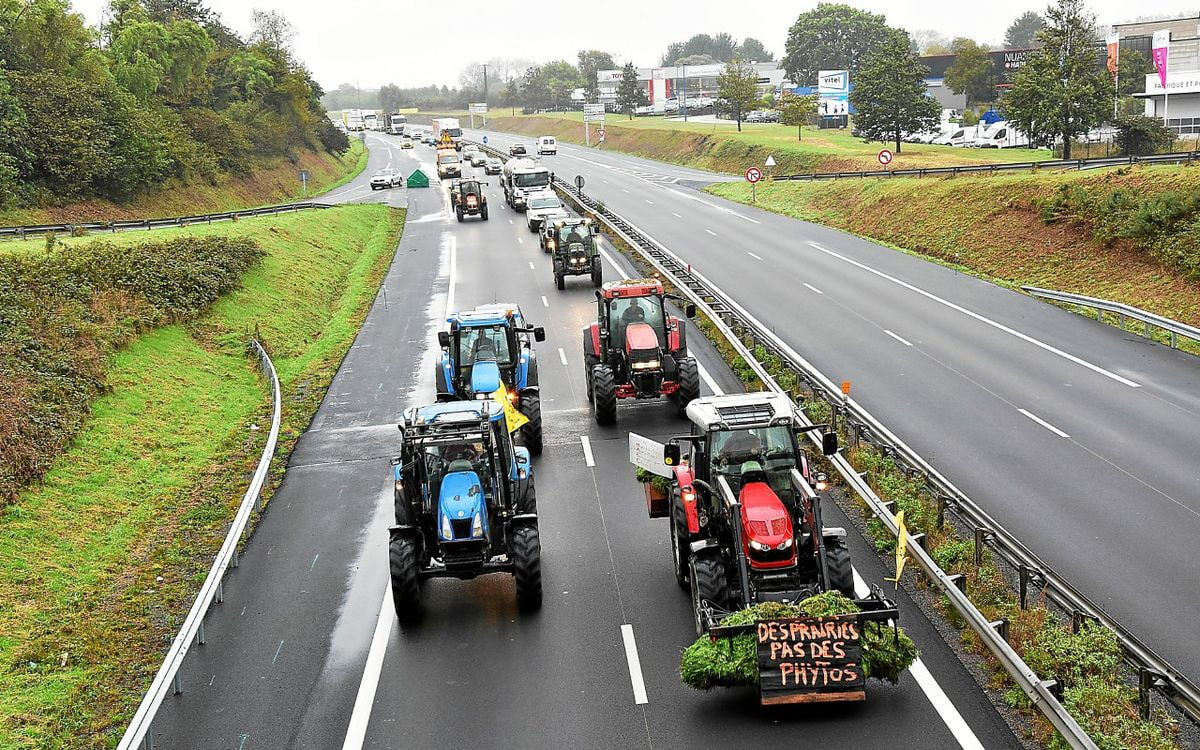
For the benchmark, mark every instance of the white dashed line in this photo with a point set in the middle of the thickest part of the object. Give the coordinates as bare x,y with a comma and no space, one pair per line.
901,340
649,201
510,221
714,234
677,216
752,255
531,265
562,356
587,450
545,302
1044,423
635,665
521,240
810,286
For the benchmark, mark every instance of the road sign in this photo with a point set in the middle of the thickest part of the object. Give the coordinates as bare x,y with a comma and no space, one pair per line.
593,117
601,132
592,109
485,140
770,160
304,178
480,108
753,175
579,182
885,157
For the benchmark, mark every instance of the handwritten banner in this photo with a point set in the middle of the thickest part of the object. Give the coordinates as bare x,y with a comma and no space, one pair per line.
810,660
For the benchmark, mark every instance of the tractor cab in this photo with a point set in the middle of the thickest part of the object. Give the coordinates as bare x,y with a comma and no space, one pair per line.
468,199
572,245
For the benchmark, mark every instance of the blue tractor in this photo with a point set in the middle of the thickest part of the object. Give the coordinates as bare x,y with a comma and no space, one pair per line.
487,347
464,502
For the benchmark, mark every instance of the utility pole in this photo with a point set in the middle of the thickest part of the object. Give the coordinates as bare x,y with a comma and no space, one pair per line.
485,94
683,92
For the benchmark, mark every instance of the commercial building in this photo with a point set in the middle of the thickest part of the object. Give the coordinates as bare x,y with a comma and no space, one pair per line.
1005,63
664,85
1179,102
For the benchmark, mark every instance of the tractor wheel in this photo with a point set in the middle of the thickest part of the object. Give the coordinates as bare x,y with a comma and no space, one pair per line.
531,407
597,272
588,363
604,393
679,548
459,214
560,280
527,565
708,584
406,582
837,562
483,212
689,383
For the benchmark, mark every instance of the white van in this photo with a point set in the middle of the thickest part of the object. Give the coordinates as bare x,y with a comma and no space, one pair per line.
1001,135
547,144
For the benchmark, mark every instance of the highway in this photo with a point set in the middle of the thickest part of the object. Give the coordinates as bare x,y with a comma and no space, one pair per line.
305,651
1078,437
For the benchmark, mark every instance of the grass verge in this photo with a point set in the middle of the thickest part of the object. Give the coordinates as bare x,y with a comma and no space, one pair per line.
100,562
274,182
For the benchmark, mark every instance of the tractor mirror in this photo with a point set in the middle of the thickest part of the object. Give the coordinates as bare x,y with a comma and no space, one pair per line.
444,339
690,310
539,334
671,454
598,295
829,443
395,460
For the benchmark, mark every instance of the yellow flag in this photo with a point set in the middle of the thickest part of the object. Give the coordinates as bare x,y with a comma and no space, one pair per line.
513,418
901,548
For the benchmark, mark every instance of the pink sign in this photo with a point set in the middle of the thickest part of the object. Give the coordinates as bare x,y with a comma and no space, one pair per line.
1160,45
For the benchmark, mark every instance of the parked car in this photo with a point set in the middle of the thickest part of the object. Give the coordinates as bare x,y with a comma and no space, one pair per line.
493,166
386,178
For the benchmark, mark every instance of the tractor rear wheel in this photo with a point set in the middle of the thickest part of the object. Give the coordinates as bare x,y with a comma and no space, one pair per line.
604,393
589,361
708,584
679,547
527,567
837,562
689,383
406,582
560,280
459,213
483,212
531,407
597,272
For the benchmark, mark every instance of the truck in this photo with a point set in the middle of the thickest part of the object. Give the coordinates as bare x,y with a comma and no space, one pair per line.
396,123
353,119
370,120
448,125
520,177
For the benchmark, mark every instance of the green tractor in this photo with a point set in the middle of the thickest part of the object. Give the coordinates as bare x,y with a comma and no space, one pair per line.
573,250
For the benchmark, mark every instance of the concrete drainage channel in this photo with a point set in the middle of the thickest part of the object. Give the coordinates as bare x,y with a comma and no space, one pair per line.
736,325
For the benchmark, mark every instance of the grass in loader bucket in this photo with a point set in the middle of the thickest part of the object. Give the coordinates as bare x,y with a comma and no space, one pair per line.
733,661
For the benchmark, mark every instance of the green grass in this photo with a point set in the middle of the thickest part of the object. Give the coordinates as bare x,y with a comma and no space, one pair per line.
153,477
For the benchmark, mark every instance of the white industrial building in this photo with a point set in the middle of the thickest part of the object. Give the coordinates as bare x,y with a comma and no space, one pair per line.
1179,103
664,85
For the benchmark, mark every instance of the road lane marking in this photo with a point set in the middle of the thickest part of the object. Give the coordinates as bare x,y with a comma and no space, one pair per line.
708,380
635,665
901,340
649,201
752,255
562,356
677,216
521,240
587,450
714,234
531,265
277,650
510,221
810,286
356,733
453,271
1043,423
545,303
314,562
712,205
623,190
970,313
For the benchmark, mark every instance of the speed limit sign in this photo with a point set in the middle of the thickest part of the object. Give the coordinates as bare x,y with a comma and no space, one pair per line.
753,175
885,157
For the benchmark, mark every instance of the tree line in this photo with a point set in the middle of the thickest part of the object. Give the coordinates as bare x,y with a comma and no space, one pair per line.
162,89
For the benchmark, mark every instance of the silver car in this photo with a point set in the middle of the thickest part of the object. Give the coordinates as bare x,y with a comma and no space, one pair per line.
386,178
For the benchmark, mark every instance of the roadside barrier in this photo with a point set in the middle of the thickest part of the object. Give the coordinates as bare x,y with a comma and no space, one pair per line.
1149,320
22,232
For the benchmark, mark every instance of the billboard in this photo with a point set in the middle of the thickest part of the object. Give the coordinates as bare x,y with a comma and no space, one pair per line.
833,93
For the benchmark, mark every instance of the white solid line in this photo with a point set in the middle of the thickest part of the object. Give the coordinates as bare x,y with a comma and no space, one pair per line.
708,380
531,265
810,286
1044,423
713,205
933,691
545,302
714,234
677,216
902,341
635,665
562,356
356,733
982,319
587,450
752,255
453,271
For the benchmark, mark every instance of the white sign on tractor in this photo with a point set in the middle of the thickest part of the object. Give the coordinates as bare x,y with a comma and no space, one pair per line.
647,454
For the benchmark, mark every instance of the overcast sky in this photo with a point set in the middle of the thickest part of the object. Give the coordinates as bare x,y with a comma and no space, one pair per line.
372,42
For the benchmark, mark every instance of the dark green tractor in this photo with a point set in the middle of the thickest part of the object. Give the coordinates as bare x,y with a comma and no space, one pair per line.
573,250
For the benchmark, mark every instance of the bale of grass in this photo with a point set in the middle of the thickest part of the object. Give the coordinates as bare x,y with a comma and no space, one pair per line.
733,661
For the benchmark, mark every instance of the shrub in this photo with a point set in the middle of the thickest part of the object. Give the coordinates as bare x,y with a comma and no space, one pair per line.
1074,658
1138,135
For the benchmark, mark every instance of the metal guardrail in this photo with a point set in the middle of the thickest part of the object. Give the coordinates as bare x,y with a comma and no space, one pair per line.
1182,157
22,232
1148,319
734,323
140,732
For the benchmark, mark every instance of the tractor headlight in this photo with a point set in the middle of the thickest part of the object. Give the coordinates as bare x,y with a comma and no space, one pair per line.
550,244
755,545
447,532
513,397
649,364
785,544
477,526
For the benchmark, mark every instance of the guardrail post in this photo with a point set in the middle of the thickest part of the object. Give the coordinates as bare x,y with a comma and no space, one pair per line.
1172,339
200,634
1001,628
1023,574
918,539
233,560
176,683
1146,328
941,512
1148,679
981,535
960,582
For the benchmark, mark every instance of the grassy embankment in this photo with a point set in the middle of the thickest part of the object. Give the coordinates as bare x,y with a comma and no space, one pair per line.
275,182
1131,235
719,147
100,561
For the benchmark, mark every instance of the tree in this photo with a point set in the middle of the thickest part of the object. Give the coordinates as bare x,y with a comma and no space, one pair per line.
630,95
512,93
1060,90
695,60
797,110
673,53
390,97
971,73
593,61
1023,32
832,37
1138,135
931,42
562,78
889,93
534,91
752,49
591,86
737,86
1132,67
272,28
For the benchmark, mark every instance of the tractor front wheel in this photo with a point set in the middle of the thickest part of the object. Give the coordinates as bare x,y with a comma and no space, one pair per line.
708,585
837,562
459,213
689,383
560,281
527,567
604,393
406,582
679,548
483,212
531,407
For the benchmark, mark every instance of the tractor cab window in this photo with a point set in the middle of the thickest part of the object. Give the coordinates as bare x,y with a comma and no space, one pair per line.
772,448
447,458
573,233
469,188
490,342
623,311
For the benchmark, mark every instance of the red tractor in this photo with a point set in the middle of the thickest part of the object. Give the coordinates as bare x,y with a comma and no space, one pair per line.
745,514
636,350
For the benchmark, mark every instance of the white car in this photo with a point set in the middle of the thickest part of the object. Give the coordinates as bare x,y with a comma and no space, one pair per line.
386,178
547,144
540,206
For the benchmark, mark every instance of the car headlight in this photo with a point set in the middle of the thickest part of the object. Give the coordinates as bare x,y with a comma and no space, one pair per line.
651,364
477,526
447,532
785,544
550,244
759,546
